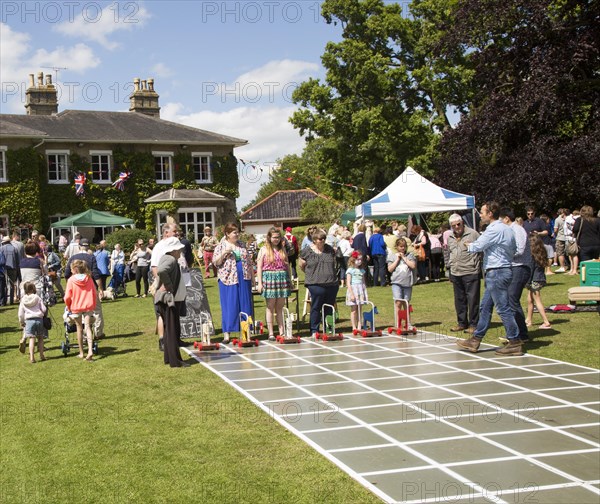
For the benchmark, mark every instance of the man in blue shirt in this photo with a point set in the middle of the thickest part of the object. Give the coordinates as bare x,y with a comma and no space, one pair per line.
498,245
377,250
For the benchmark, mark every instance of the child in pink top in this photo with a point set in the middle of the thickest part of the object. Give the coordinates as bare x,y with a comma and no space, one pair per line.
80,299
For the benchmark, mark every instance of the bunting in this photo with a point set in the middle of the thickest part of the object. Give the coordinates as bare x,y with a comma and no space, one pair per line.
119,184
80,184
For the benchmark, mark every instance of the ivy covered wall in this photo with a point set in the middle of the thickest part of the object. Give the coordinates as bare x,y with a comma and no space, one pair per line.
29,200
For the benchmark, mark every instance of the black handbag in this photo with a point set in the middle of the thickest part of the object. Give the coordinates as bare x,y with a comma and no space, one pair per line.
47,322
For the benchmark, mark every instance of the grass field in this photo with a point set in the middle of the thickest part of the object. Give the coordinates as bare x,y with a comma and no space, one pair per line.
126,428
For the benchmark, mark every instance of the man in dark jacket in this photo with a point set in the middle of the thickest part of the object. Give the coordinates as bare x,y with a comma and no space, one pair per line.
11,269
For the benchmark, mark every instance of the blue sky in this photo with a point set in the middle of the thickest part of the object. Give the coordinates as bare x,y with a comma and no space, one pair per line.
224,66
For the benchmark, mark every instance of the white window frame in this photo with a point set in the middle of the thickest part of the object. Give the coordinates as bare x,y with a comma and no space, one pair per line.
207,155
161,218
3,168
107,153
169,156
199,226
61,152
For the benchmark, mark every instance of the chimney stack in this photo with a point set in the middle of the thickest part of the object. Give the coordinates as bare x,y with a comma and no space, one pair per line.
144,99
41,99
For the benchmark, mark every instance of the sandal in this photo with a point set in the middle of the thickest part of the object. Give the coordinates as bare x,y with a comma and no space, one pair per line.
89,359
32,361
545,326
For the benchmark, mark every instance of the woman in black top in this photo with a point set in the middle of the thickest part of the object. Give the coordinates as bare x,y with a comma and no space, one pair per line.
318,263
587,231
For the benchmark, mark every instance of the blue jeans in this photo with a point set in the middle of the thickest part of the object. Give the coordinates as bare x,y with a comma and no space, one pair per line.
497,284
520,277
320,295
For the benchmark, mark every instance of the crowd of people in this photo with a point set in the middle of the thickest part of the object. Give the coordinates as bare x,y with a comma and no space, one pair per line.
509,253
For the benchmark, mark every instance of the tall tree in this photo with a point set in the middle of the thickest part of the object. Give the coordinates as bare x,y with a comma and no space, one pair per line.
384,101
532,134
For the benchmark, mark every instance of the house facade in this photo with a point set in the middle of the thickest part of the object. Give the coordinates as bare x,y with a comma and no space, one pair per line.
44,151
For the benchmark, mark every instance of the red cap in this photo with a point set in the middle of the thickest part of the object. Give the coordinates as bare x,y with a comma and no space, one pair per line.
288,229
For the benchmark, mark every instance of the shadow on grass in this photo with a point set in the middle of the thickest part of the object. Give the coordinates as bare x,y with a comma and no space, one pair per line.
127,335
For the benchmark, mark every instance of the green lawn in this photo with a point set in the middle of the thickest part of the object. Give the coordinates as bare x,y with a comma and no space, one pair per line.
126,428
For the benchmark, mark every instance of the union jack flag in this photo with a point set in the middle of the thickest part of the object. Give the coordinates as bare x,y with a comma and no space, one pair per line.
79,184
120,182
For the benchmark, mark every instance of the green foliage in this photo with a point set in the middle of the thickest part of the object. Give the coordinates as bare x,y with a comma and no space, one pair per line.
226,179
385,98
150,212
320,209
127,238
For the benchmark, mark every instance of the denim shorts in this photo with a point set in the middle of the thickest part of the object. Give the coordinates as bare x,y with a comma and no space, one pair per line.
401,292
34,327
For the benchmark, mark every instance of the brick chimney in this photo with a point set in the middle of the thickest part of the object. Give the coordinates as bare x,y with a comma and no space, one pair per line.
41,99
144,99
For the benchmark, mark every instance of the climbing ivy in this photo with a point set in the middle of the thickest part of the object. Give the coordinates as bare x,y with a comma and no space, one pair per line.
29,200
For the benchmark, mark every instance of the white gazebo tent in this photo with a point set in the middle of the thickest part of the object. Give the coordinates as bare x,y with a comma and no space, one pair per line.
412,193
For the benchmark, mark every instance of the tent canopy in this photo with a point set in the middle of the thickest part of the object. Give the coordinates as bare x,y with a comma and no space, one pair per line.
350,216
411,193
92,218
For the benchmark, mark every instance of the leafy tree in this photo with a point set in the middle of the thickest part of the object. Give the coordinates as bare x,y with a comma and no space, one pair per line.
532,134
385,99
320,210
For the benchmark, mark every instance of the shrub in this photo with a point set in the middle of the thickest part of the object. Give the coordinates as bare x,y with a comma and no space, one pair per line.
127,238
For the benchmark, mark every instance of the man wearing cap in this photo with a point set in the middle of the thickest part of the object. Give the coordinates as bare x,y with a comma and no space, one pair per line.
169,299
207,249
90,260
11,269
465,275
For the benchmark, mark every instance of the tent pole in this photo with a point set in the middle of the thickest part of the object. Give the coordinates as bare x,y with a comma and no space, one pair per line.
474,221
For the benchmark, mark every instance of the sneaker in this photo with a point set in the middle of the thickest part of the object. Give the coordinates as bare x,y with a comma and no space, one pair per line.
136,296
471,344
513,347
271,338
22,346
560,270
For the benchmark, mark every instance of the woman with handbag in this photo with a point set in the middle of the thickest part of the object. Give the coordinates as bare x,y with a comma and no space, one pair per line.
571,241
420,245
587,232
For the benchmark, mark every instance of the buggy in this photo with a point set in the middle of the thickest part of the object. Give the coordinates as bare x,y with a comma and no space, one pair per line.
71,328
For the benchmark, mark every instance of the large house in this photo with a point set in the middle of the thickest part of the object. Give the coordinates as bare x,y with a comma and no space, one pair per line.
42,151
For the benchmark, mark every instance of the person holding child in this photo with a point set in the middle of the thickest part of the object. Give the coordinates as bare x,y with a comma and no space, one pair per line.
80,300
401,266
273,273
31,314
537,281
356,293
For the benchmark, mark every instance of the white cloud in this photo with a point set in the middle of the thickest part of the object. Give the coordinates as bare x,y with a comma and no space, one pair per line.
17,61
162,70
273,82
269,134
99,24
